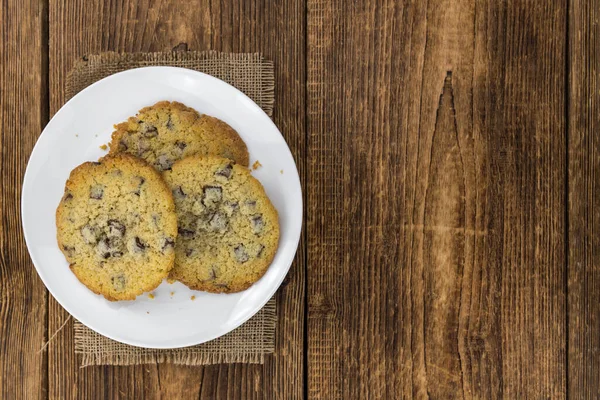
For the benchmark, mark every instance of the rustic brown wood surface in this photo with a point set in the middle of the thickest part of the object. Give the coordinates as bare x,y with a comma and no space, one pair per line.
450,160
437,156
23,112
584,200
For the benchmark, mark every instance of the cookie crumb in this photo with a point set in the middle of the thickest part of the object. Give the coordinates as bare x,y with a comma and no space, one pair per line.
76,135
281,172
172,293
256,165
104,147
170,281
193,298
147,312
150,295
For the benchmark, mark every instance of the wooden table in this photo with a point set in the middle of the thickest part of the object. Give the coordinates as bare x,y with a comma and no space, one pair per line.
450,158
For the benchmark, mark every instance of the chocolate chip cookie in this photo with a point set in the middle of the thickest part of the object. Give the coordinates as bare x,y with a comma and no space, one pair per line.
169,131
228,228
117,226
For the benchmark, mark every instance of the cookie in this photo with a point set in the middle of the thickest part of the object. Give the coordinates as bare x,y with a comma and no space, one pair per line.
169,131
228,228
117,226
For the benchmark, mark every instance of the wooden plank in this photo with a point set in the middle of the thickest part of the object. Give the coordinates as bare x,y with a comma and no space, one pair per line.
277,30
23,113
584,200
437,158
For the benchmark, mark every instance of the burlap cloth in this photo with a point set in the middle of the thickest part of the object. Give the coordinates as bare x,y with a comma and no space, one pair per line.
249,343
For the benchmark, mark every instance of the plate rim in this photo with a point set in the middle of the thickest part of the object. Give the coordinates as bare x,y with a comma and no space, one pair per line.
297,234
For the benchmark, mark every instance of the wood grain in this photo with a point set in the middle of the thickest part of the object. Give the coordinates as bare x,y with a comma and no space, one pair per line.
451,195
437,159
584,200
23,113
275,29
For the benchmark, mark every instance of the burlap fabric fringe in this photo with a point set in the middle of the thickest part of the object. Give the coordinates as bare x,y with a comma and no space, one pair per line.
249,343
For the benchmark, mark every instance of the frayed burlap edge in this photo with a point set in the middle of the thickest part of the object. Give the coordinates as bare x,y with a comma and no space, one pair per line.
249,343
241,70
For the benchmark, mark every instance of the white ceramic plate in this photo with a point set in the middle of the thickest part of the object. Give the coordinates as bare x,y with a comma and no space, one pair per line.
74,135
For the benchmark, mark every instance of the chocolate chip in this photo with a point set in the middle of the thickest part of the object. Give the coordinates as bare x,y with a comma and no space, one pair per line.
164,162
114,242
213,273
178,193
116,228
197,209
260,250
180,145
189,252
143,146
251,203
212,195
170,123
110,246
168,243
96,192
136,245
225,172
258,223
67,196
89,234
69,250
103,248
118,282
141,181
218,222
230,207
240,253
96,163
123,146
186,233
140,244
149,130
